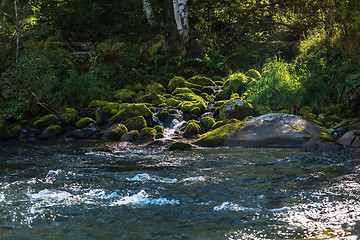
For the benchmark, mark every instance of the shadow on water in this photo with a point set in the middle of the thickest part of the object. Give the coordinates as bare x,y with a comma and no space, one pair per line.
65,190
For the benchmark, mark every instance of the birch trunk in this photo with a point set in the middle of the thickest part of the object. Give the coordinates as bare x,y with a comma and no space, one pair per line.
182,22
17,33
148,12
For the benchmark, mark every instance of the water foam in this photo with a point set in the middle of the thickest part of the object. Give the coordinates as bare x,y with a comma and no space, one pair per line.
144,177
233,207
142,199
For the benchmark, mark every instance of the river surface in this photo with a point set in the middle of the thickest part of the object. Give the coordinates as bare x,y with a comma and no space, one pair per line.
66,190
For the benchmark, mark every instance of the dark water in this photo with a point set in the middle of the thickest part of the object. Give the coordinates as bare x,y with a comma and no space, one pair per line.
63,190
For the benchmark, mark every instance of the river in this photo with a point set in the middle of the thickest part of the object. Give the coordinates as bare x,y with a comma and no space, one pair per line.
66,190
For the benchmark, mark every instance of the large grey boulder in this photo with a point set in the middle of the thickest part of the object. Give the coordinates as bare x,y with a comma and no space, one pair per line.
273,130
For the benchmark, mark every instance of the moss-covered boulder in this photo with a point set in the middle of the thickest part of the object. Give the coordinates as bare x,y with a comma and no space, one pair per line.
236,82
172,102
16,130
135,123
159,129
187,106
180,146
207,123
253,73
97,103
124,95
4,129
68,116
132,110
156,87
262,110
180,82
218,124
131,136
84,122
51,131
235,109
206,97
181,90
163,115
113,107
190,97
324,134
117,133
202,81
192,128
46,121
208,90
99,118
223,95
147,134
215,138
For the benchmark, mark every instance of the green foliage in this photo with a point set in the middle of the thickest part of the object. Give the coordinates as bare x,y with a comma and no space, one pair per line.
279,87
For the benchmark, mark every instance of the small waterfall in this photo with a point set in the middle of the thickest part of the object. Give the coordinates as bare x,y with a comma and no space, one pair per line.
175,125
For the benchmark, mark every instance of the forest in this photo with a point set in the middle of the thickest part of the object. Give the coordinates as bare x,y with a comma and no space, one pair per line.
57,54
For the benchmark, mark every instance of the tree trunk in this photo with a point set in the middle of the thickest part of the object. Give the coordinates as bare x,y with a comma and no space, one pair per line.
17,33
148,12
182,22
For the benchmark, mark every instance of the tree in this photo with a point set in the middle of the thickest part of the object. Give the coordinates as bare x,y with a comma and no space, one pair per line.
181,16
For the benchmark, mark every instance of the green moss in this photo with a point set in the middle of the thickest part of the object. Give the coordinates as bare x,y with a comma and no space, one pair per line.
236,82
262,110
308,137
97,103
159,129
215,138
155,87
163,115
219,103
84,122
116,134
206,97
357,132
176,82
207,123
190,97
309,116
234,120
132,110
202,81
172,102
181,146
182,90
252,73
196,91
69,116
223,95
147,134
325,135
54,128
297,128
135,123
187,106
235,109
98,116
218,124
124,95
46,121
192,128
111,107
16,130
196,111
305,109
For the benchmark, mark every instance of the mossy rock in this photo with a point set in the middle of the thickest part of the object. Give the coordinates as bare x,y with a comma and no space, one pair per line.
190,97
235,97
135,123
236,82
218,124
69,116
253,73
118,132
196,111
324,134
147,134
113,107
234,120
305,109
219,103
84,122
235,109
98,116
46,121
215,138
156,87
16,130
208,90
309,116
97,103
262,110
187,106
172,102
207,123
132,110
159,129
196,91
192,128
206,97
202,81
223,95
157,100
163,115
181,90
176,82
124,95
54,128
180,146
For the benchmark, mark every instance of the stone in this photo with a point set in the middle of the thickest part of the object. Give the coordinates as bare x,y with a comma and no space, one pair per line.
135,123
273,130
84,122
207,123
147,134
192,128
51,132
131,136
46,121
316,145
111,131
235,109
124,95
83,133
181,146
202,81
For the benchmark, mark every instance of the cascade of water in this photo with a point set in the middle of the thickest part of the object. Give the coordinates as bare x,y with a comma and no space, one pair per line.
175,125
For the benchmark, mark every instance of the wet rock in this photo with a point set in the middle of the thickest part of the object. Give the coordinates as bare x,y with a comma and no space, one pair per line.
316,145
347,139
131,136
147,134
83,133
108,135
273,130
235,109
183,146
51,132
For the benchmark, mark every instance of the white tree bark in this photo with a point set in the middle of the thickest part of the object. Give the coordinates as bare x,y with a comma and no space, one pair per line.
148,12
17,32
181,16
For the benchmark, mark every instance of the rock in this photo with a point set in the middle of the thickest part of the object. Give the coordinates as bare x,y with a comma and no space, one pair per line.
207,123
273,130
223,95
147,134
46,121
192,128
117,132
159,129
156,87
83,133
202,81
350,139
215,138
236,82
177,82
16,130
107,132
235,109
316,145
68,116
135,123
4,130
131,110
191,97
252,73
187,106
182,146
181,90
131,136
124,95
84,122
51,132
172,102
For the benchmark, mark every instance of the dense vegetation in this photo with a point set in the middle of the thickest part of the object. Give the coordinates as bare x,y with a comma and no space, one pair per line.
66,53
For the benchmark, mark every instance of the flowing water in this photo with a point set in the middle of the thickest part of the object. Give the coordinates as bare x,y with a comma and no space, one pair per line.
65,190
